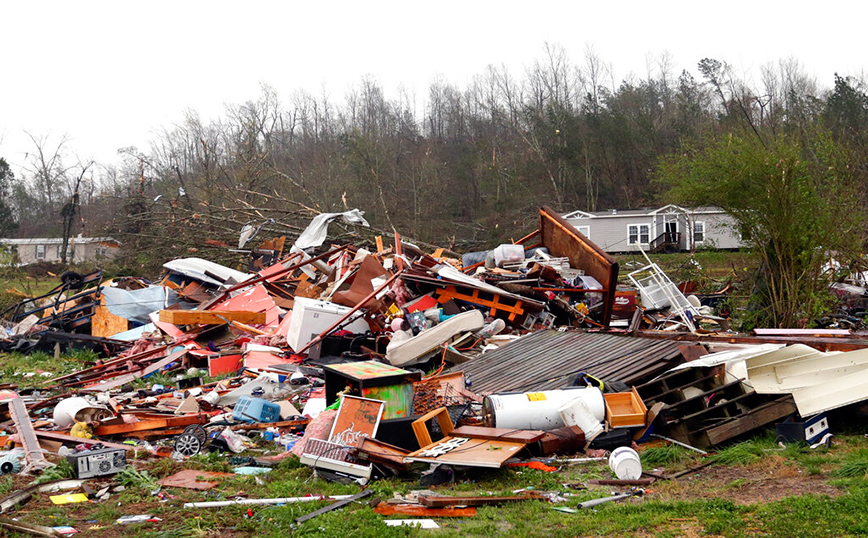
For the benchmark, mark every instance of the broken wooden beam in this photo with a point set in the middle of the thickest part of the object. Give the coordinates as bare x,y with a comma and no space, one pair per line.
27,528
500,434
377,451
63,438
27,435
423,511
210,317
149,424
440,501
266,425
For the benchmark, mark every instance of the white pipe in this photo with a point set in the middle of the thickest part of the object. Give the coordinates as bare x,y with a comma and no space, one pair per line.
279,500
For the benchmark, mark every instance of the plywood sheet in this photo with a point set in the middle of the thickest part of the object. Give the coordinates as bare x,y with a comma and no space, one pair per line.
210,317
472,453
104,323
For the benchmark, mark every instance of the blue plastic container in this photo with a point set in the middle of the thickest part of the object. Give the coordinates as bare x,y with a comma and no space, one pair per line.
256,410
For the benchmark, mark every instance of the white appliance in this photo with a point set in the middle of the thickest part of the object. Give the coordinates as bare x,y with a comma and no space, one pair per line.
310,317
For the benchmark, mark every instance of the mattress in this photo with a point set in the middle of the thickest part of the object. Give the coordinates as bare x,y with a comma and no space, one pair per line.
412,350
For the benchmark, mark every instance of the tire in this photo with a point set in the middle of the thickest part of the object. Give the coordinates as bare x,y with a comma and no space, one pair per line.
72,280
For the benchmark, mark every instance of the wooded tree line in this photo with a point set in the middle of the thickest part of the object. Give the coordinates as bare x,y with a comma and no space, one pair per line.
468,170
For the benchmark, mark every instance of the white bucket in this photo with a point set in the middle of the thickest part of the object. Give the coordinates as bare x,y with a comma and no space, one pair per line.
577,412
625,463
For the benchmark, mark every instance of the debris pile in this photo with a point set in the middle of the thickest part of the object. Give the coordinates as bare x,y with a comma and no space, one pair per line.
388,360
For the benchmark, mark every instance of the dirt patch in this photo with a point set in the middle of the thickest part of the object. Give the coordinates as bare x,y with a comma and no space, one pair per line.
683,527
747,485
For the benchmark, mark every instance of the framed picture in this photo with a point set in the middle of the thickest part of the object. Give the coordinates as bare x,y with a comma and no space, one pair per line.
357,417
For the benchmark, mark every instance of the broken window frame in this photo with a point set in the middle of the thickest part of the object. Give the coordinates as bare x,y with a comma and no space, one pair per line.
639,237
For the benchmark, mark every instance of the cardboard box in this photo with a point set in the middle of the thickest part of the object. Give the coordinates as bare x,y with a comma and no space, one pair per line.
624,409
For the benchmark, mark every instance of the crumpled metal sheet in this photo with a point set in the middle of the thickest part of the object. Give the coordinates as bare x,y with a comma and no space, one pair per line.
135,305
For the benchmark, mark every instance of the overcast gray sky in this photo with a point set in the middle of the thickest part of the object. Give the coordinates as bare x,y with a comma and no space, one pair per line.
110,74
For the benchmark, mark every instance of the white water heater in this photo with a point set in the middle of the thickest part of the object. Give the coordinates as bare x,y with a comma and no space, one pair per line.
538,410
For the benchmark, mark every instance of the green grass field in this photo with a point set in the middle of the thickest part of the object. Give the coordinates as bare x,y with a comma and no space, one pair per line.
752,488
759,491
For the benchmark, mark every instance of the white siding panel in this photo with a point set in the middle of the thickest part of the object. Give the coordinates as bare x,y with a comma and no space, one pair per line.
721,232
610,233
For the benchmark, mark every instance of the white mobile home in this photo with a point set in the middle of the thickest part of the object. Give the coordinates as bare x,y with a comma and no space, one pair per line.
670,228
48,249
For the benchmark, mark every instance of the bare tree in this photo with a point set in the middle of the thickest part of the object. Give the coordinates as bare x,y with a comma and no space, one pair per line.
70,209
47,168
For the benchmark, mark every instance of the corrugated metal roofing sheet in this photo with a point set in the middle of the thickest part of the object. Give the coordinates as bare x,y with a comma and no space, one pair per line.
548,359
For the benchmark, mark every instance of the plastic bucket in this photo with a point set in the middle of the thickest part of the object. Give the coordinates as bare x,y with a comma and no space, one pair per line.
577,412
625,463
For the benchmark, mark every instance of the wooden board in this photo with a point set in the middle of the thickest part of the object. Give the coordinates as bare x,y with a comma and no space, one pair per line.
64,438
563,240
760,416
27,436
420,426
377,451
435,501
148,424
499,434
422,511
266,425
473,453
210,317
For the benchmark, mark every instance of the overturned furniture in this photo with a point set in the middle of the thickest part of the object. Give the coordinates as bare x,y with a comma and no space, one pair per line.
704,406
563,240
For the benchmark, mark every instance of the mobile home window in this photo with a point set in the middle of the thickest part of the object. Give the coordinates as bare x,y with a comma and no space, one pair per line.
698,232
40,252
638,233
59,251
585,230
